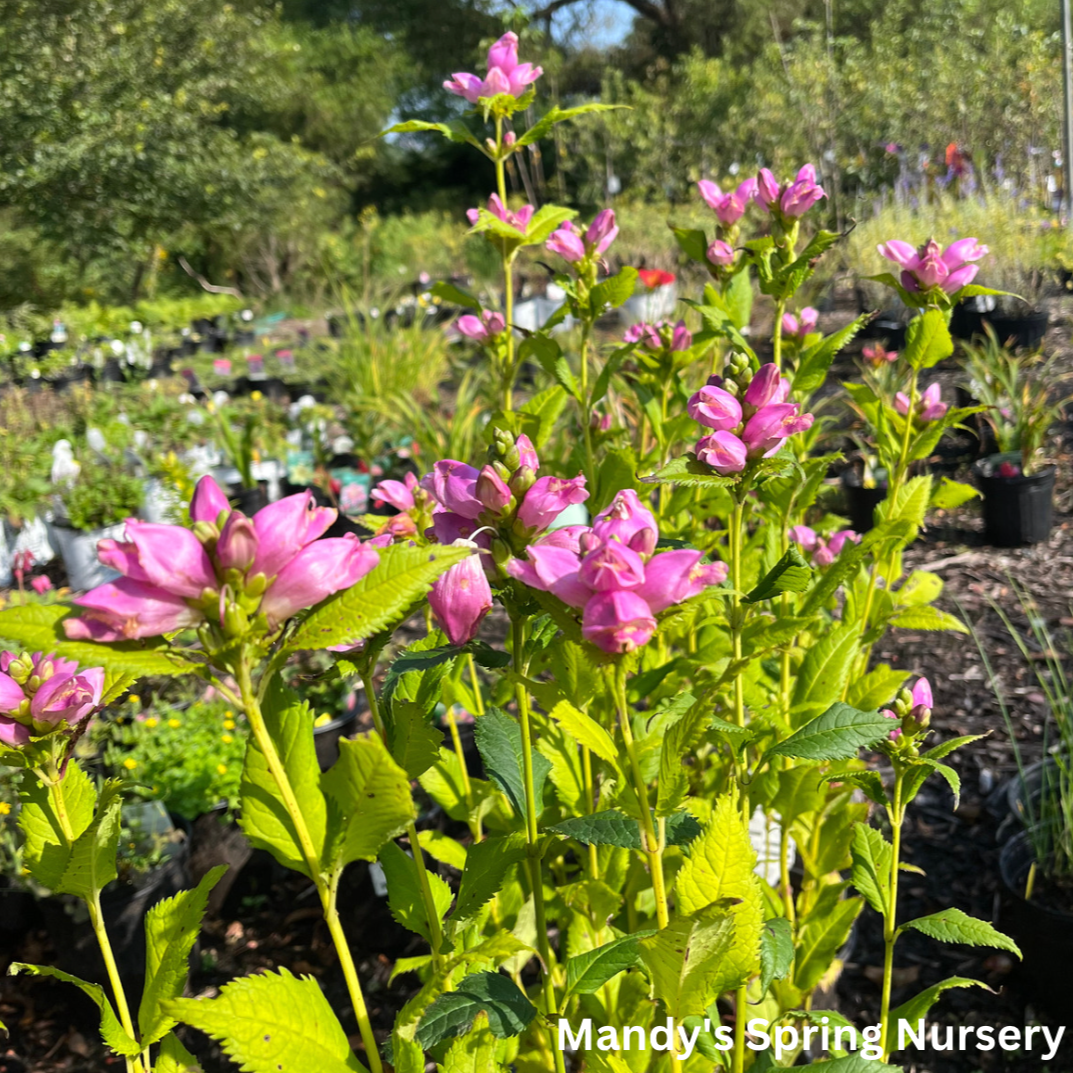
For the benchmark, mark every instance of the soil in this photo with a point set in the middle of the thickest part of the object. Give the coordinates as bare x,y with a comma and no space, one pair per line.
271,918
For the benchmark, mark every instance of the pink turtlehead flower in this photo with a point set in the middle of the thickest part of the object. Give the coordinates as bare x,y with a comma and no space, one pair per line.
602,231
651,336
41,584
49,692
791,200
505,74
765,431
453,485
572,246
567,243
627,520
518,220
618,621
527,453
822,551
768,385
399,494
877,355
922,693
724,452
800,326
930,406
715,408
481,329
721,253
170,581
492,490
461,598
805,537
548,498
730,207
930,266
896,733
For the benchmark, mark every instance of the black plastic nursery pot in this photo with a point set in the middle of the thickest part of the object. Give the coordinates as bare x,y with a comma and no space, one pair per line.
1026,331
327,736
861,502
1017,510
249,500
1043,932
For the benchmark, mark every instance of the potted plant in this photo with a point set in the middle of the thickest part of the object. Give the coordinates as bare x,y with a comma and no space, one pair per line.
1036,860
92,506
1016,481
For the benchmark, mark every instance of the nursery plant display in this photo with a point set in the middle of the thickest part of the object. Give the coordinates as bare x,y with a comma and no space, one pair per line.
686,663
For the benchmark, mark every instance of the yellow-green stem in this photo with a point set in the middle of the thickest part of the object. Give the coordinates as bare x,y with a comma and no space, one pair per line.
97,923
786,889
776,339
741,1008
508,278
890,925
532,836
467,786
584,404
252,707
653,843
590,798
478,699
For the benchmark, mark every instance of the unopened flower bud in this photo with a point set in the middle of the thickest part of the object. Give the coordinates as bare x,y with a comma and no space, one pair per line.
21,669
492,490
510,138
207,533
588,542
643,542
918,719
524,479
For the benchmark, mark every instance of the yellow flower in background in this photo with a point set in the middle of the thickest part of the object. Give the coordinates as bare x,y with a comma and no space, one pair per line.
226,739
174,724
229,724
134,700
256,396
221,769
5,808
130,764
151,722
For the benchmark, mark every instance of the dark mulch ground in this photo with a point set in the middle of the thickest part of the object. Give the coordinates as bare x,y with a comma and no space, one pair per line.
271,918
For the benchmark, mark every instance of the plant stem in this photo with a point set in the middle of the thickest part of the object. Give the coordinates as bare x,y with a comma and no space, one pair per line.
435,929
736,612
590,801
890,924
741,1005
585,405
653,843
776,339
508,277
97,923
478,700
532,838
252,707
467,786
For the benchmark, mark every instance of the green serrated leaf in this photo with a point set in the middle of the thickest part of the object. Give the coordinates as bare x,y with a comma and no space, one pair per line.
613,291
927,340
272,1023
111,1030
826,667
475,1052
928,618
690,473
452,1014
876,688
379,600
404,897
371,798
585,730
955,926
413,741
92,863
171,927
46,851
174,1057
487,865
872,858
776,951
949,494
838,734
586,973
499,741
264,817
822,936
614,828
918,1006
790,574
448,292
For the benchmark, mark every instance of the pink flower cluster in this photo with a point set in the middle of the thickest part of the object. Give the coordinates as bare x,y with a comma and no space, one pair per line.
747,430
482,329
611,573
572,246
919,714
518,220
799,327
931,266
505,74
878,356
471,505
730,207
792,199
659,335
226,570
40,694
930,406
822,551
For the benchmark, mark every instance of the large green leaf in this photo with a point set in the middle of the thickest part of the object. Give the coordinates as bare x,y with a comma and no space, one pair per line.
272,1023
542,127
585,730
380,600
46,851
955,926
112,1031
838,734
790,574
487,865
37,628
371,801
92,863
927,340
679,739
174,1057
586,973
825,669
171,926
613,828
404,897
414,742
872,858
720,866
452,1014
823,935
687,471
816,360
264,817
612,292
474,1052
499,741
693,960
